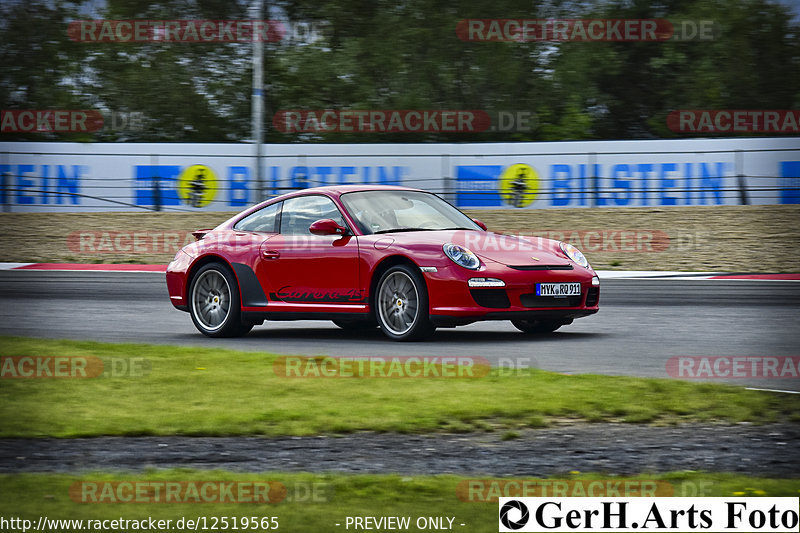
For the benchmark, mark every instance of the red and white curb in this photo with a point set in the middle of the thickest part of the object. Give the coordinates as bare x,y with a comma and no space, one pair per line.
84,267
603,274
683,276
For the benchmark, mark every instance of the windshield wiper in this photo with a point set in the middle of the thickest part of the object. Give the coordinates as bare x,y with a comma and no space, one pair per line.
398,230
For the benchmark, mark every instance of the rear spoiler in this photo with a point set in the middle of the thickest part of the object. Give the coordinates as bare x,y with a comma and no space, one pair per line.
200,233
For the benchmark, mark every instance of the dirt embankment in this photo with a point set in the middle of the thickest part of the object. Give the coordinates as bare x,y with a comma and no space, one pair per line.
730,238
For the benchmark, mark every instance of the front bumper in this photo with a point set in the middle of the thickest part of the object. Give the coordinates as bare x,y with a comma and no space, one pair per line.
452,300
177,272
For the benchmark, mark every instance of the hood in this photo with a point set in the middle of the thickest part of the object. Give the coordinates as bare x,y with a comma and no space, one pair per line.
494,247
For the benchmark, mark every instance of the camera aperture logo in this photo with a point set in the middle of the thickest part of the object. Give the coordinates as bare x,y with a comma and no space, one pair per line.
514,514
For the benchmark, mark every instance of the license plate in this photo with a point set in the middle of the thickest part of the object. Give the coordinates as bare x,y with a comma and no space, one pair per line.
558,289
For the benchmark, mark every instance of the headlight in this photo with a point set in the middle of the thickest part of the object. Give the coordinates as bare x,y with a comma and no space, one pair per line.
574,254
461,256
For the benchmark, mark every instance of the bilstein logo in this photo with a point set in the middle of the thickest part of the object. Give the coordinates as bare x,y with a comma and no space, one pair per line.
519,185
515,507
197,186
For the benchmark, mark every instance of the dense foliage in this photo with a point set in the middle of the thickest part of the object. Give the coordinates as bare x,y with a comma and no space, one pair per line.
383,54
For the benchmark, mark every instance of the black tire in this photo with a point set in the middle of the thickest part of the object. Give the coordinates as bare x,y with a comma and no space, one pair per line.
214,302
401,304
537,326
356,325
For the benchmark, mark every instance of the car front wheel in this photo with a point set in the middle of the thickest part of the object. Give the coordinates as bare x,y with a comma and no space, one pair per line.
401,304
214,302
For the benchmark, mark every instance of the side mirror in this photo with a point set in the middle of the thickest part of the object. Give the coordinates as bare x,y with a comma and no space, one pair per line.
481,224
327,226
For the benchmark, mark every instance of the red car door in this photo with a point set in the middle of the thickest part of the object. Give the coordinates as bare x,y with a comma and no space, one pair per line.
299,267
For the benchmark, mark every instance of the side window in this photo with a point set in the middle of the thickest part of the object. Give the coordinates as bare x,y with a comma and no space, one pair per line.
300,212
264,220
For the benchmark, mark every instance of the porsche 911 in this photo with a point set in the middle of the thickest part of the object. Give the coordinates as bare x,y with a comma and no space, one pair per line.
397,258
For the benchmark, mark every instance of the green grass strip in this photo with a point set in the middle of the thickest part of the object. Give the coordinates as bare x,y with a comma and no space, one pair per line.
215,392
318,502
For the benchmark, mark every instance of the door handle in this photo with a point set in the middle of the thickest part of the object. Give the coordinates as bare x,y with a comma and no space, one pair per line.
270,254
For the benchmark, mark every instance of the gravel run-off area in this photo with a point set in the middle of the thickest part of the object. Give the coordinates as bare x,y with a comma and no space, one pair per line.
621,449
698,238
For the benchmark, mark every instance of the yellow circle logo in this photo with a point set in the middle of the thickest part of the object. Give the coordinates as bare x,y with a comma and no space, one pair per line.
519,185
197,185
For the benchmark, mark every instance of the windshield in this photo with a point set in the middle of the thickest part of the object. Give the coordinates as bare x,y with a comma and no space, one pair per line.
389,211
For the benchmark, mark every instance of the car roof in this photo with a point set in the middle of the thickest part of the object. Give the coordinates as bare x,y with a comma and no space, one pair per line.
341,189
328,190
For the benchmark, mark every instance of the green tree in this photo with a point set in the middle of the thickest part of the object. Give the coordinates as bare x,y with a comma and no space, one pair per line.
380,54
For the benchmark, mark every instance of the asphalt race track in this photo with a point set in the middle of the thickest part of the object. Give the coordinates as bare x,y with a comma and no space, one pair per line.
641,324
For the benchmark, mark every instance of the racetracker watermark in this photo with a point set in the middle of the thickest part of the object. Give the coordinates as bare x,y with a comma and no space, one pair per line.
382,121
732,121
513,366
404,121
599,240
176,31
723,367
48,120
585,30
491,490
72,367
587,240
128,242
381,367
216,491
68,121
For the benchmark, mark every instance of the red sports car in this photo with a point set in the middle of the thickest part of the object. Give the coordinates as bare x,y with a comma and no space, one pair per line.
365,256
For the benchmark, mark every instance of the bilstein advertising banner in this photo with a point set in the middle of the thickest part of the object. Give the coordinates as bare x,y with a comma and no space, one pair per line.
219,177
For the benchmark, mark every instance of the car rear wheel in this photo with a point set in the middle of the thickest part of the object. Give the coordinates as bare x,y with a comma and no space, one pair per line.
214,302
537,326
401,304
